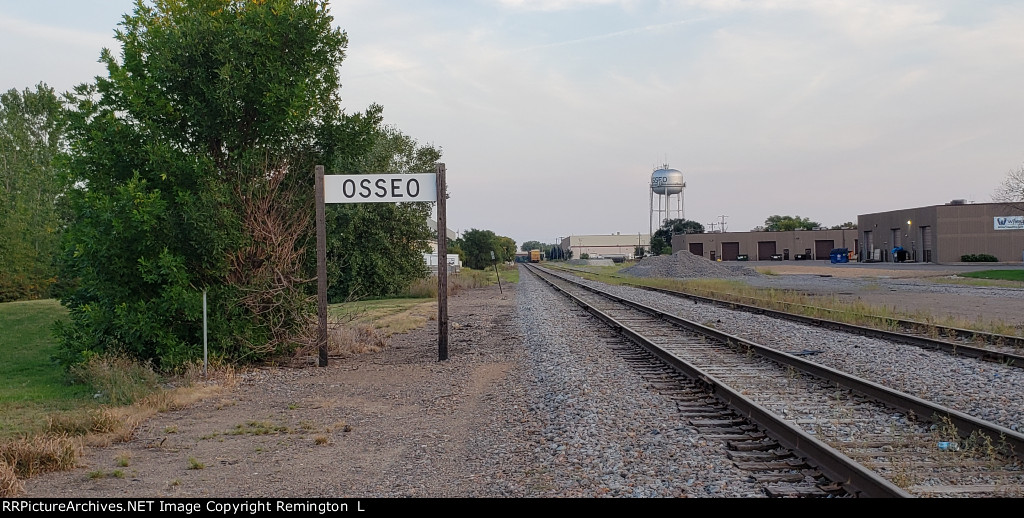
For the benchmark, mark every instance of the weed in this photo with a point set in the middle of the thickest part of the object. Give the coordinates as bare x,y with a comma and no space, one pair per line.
307,426
258,428
40,454
174,483
124,460
171,429
792,372
120,380
902,472
193,463
117,473
97,474
320,440
9,484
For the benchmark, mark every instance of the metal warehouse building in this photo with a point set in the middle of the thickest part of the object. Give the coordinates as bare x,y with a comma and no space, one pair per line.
599,246
936,234
944,233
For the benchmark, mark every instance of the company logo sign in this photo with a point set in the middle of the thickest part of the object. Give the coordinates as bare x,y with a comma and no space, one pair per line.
1009,222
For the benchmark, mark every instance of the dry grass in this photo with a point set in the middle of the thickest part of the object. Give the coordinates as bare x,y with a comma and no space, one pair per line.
343,340
10,484
31,456
60,445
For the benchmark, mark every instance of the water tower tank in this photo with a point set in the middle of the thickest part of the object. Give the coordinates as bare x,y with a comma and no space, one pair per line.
667,181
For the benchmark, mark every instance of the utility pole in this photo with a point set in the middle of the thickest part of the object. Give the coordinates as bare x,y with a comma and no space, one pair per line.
723,222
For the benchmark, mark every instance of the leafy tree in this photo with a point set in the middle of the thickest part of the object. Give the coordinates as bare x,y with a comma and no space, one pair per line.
375,249
783,223
31,136
190,168
844,226
661,241
532,245
555,252
506,249
477,245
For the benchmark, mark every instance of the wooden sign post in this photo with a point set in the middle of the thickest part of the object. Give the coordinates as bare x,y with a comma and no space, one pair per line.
387,188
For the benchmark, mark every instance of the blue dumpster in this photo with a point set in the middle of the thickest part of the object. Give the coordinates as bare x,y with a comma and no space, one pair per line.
840,255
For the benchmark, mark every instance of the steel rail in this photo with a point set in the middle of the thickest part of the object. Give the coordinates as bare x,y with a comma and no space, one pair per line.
970,351
855,478
1010,359
834,466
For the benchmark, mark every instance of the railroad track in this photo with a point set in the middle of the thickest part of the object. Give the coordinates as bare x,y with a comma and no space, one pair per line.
810,430
993,347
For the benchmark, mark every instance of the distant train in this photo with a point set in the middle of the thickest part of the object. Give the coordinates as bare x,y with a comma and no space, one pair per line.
535,256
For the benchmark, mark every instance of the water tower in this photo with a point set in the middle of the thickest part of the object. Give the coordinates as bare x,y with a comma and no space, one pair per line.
666,183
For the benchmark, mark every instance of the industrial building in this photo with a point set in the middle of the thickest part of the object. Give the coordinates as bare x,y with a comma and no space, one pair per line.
793,245
607,246
935,234
945,233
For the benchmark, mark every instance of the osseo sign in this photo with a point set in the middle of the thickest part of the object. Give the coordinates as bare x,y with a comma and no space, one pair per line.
369,188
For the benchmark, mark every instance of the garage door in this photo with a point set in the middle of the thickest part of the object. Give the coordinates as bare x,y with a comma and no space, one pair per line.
765,250
730,251
697,249
823,249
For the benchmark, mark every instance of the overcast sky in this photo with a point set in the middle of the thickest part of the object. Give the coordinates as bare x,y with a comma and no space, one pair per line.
552,114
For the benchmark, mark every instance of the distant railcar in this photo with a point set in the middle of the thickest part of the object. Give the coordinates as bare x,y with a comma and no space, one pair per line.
535,256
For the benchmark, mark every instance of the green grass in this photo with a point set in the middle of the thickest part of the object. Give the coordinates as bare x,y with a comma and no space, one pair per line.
1002,275
32,385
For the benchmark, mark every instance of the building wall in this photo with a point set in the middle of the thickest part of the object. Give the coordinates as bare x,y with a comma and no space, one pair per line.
815,243
944,233
970,229
603,245
916,230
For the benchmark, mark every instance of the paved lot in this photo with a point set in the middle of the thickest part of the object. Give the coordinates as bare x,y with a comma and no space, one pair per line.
882,270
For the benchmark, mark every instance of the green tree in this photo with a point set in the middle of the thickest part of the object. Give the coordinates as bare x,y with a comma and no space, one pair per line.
532,245
375,249
661,241
31,136
844,226
783,223
190,168
506,249
477,246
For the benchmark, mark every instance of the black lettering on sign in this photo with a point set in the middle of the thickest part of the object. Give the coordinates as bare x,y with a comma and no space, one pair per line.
348,188
396,188
365,188
382,188
409,186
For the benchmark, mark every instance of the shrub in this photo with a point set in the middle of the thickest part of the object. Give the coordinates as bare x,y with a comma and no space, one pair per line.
978,258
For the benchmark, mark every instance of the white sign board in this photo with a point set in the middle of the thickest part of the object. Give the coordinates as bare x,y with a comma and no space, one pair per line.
368,188
1009,222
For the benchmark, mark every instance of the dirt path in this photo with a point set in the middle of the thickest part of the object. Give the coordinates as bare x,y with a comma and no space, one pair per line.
352,429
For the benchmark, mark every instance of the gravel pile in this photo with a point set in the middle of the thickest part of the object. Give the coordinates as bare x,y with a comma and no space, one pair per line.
686,265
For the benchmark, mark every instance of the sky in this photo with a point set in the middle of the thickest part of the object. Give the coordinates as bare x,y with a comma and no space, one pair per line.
552,114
